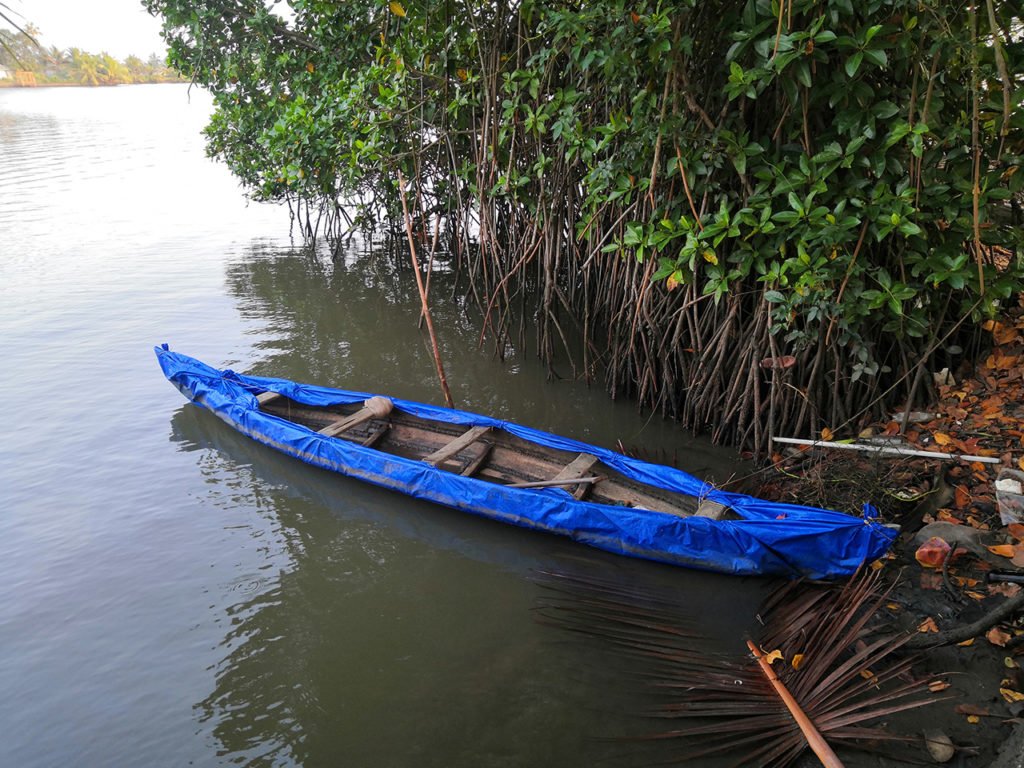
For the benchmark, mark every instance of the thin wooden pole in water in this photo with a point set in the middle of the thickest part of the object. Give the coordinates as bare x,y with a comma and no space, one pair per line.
424,305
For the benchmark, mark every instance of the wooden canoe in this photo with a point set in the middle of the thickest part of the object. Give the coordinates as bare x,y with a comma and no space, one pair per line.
531,478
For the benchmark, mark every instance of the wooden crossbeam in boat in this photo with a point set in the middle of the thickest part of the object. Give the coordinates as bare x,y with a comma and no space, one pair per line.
376,435
454,446
712,510
476,463
266,397
577,468
373,408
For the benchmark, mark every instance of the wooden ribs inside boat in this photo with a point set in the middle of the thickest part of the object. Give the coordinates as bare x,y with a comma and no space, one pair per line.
486,453
453,447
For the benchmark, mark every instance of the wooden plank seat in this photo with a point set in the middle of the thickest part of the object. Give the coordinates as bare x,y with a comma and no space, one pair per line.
714,511
373,408
459,443
572,474
267,397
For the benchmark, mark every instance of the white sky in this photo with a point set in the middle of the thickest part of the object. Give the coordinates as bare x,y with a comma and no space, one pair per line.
119,27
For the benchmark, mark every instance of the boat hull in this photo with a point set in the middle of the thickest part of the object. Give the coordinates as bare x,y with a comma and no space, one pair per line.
766,539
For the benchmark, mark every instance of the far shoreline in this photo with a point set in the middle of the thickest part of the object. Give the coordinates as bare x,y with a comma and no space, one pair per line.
5,84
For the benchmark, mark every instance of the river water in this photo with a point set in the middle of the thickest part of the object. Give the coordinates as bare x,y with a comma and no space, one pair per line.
172,594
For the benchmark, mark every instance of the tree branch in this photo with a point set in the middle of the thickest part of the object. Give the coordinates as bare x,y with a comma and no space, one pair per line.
966,632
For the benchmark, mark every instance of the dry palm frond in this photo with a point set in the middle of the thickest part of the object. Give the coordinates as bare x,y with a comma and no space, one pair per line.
841,676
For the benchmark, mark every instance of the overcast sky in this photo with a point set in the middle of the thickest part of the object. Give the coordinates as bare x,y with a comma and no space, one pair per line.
119,27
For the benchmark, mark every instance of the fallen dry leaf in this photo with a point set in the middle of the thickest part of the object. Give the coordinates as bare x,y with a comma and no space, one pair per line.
1005,589
1003,550
1004,333
798,660
1016,529
976,523
774,656
997,636
1009,663
974,595
965,643
938,685
928,625
1011,695
993,406
941,438
962,497
826,434
945,516
1004,362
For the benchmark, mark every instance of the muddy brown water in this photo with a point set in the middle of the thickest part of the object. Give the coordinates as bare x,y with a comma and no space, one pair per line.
173,594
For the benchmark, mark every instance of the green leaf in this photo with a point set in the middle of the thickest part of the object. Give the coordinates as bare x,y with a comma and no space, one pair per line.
899,130
876,57
883,110
803,74
853,63
634,234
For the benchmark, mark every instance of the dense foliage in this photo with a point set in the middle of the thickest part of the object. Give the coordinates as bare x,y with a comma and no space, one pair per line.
19,52
750,211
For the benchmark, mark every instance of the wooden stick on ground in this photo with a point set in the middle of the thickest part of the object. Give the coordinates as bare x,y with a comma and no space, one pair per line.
423,296
815,740
886,450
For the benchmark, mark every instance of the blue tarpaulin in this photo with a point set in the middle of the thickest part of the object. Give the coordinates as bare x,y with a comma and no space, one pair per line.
770,538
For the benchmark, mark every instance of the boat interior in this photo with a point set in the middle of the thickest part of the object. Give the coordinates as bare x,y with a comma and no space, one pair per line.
485,453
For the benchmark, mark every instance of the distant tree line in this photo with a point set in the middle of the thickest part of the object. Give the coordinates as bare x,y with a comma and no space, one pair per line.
20,53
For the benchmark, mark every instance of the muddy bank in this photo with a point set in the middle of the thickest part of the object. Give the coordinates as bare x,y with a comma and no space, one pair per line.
959,550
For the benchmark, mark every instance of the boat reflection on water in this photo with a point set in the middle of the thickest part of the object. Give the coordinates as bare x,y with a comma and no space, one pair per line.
387,631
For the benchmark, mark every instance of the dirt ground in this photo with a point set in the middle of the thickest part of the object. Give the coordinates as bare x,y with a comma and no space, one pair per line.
953,547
